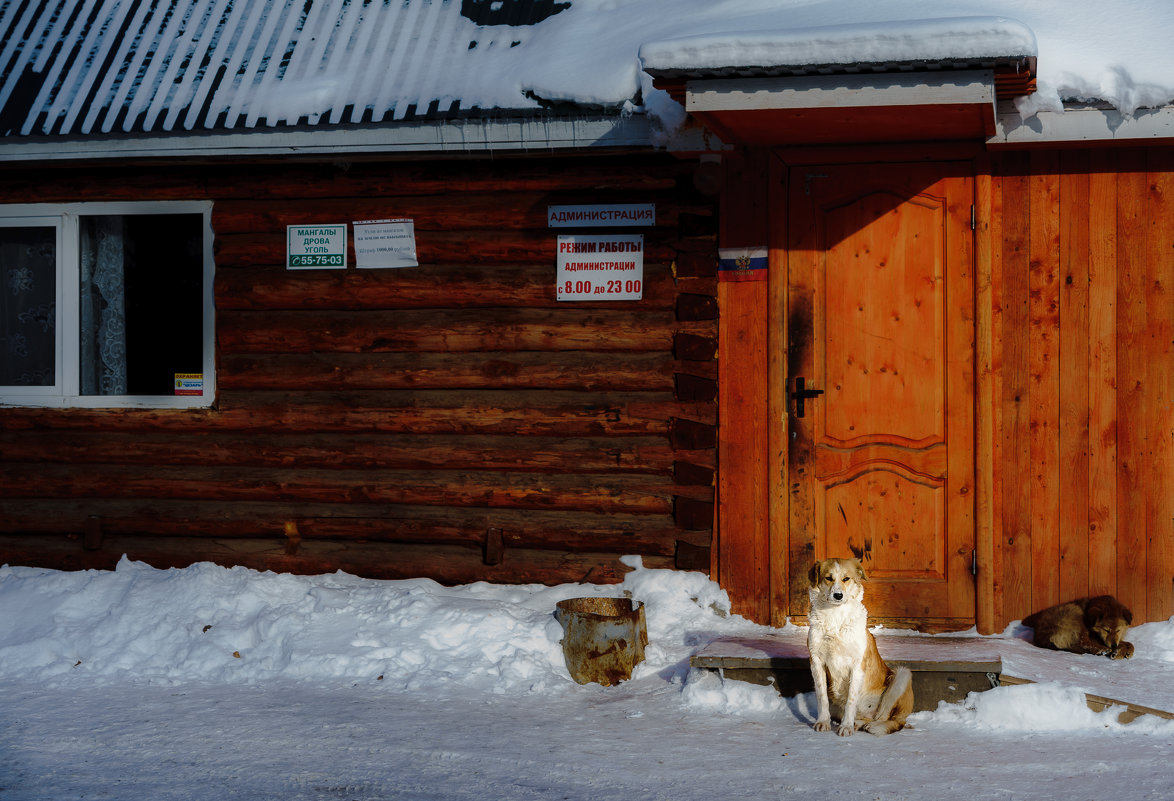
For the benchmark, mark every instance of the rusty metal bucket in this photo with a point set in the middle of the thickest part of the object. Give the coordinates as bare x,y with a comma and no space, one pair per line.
603,638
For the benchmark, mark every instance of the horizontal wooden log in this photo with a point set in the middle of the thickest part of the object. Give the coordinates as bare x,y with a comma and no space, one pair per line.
587,177
688,472
493,247
693,224
577,327
581,455
631,494
75,183
352,371
448,564
691,435
531,413
692,557
695,388
599,180
692,514
696,263
689,346
696,307
705,286
430,287
702,412
698,369
360,522
488,210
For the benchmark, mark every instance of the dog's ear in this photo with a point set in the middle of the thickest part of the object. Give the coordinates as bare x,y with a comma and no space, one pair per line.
813,574
1094,610
1125,613
860,574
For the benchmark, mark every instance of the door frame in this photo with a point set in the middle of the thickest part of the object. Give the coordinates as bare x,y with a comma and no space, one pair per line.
953,593
751,558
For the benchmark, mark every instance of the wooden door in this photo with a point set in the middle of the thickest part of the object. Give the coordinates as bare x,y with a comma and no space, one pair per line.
880,319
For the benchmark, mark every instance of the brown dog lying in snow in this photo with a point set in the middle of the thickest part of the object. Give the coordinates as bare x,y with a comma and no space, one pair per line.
850,676
1084,626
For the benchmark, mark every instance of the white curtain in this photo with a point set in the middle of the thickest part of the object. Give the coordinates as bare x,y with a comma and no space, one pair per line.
103,306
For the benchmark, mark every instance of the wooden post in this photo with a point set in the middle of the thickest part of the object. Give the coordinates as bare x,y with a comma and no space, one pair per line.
494,546
743,563
984,532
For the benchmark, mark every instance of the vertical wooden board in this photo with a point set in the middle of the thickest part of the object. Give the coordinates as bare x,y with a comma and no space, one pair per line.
802,263
1015,463
744,201
1102,374
743,547
777,343
742,444
1132,489
1160,356
801,503
987,617
1044,387
1073,374
960,335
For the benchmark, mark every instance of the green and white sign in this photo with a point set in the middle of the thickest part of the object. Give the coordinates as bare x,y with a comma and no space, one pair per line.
315,247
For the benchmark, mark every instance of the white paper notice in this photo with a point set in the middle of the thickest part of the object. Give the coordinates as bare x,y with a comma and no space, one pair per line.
385,243
600,267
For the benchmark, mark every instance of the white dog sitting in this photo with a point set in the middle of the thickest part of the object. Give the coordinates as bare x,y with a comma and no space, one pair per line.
845,664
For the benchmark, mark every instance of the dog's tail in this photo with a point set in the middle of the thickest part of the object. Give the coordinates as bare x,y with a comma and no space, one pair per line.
883,722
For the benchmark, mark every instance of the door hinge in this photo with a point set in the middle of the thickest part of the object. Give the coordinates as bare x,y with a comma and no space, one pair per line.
973,218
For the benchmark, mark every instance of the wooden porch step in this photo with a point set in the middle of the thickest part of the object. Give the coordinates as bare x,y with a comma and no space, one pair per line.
944,669
949,672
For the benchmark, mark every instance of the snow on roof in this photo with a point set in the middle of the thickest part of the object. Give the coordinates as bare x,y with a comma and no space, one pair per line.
860,46
118,67
136,65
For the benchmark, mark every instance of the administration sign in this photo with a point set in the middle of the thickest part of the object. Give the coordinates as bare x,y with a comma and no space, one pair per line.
600,267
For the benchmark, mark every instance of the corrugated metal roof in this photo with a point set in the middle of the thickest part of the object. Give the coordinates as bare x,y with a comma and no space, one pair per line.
70,67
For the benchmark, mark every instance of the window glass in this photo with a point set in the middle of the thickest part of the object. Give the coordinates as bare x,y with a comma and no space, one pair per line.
28,306
106,304
141,290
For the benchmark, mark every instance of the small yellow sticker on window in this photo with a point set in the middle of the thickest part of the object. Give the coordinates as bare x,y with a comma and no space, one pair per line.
189,383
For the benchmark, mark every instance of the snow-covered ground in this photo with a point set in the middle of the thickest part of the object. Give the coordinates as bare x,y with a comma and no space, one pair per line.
214,683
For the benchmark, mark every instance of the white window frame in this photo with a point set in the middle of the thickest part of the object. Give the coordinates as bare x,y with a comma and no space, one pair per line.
67,367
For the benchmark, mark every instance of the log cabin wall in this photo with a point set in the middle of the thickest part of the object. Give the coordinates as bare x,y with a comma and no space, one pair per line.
452,420
1082,266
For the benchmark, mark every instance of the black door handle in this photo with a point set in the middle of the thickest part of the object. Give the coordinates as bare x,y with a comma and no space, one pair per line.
801,394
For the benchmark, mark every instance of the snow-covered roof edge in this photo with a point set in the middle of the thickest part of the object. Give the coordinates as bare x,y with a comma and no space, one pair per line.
439,138
955,42
125,67
119,77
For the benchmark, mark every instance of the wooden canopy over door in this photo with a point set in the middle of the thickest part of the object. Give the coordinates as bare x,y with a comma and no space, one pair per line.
877,309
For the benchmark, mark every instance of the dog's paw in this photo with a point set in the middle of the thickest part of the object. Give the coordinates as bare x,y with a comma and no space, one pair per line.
822,725
846,730
1124,651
